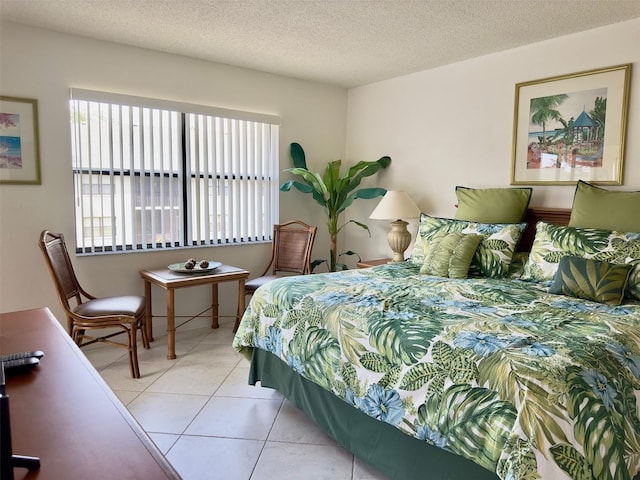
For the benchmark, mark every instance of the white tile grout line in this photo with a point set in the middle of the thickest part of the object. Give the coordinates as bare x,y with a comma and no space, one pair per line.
183,434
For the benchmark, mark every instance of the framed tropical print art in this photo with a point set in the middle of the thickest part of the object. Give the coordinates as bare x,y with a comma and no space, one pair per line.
571,127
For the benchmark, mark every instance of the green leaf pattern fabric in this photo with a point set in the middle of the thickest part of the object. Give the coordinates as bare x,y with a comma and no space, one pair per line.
492,257
602,282
528,384
552,242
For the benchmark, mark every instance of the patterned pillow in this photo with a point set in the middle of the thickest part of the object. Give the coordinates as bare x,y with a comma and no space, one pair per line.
601,282
450,254
552,242
493,255
517,264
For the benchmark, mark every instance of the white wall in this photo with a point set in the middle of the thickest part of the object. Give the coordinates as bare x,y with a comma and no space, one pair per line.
43,65
442,127
453,125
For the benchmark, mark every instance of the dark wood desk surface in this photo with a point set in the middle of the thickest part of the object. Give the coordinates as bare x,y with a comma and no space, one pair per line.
63,412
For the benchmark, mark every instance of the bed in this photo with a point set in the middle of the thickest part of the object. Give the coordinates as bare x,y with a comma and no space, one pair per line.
448,378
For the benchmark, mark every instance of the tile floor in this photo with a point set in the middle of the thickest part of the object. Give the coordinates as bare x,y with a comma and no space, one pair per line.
210,423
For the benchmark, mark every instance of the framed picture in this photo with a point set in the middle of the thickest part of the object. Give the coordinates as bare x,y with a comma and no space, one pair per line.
571,128
19,150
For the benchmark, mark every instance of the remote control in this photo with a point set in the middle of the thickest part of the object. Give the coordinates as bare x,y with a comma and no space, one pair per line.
19,365
15,356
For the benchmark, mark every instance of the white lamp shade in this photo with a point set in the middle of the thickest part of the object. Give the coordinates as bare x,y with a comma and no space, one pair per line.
395,204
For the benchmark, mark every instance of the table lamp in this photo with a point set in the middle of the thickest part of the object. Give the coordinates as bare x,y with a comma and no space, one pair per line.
396,205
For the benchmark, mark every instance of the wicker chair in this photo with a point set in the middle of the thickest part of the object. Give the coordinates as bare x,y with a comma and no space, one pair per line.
290,252
85,312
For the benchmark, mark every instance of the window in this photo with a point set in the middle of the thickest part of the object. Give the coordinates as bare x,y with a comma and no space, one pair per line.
151,174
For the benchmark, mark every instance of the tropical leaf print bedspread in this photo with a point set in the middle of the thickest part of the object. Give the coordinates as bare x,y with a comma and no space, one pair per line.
527,384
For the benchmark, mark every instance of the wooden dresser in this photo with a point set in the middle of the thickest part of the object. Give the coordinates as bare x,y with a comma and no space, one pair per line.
63,412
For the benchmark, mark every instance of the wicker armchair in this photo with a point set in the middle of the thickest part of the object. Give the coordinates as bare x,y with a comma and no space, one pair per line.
85,312
290,252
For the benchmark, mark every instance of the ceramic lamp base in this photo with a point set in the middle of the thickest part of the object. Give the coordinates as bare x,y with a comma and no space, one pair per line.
399,239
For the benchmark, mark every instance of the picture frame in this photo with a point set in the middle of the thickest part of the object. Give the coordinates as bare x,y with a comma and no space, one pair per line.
19,144
571,127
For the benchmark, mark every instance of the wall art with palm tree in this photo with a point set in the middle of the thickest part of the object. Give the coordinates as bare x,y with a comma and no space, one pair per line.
571,128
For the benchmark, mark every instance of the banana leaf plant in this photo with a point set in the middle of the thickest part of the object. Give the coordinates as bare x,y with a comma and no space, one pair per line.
334,194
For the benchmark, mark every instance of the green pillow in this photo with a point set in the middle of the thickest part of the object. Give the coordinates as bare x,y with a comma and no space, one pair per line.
492,205
450,254
552,242
493,255
595,207
601,282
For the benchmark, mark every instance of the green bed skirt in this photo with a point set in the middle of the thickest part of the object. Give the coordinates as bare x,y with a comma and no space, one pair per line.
384,447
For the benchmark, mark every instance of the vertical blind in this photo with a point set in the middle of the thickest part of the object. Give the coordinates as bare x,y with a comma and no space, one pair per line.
153,174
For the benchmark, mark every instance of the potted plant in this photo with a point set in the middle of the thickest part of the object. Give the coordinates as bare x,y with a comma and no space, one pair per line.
334,193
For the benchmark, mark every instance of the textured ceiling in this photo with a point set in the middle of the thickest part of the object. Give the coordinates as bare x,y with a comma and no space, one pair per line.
339,42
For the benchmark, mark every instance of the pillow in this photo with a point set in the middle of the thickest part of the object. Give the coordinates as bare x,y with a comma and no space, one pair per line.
492,257
552,242
595,207
450,254
492,205
518,262
601,282
633,287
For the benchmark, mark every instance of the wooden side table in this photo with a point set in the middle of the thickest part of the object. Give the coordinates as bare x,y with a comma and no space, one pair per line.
170,280
372,263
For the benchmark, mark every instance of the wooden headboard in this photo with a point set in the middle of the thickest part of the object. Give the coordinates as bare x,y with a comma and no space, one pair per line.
556,216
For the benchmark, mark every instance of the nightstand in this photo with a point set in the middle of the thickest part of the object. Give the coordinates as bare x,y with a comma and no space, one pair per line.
372,263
